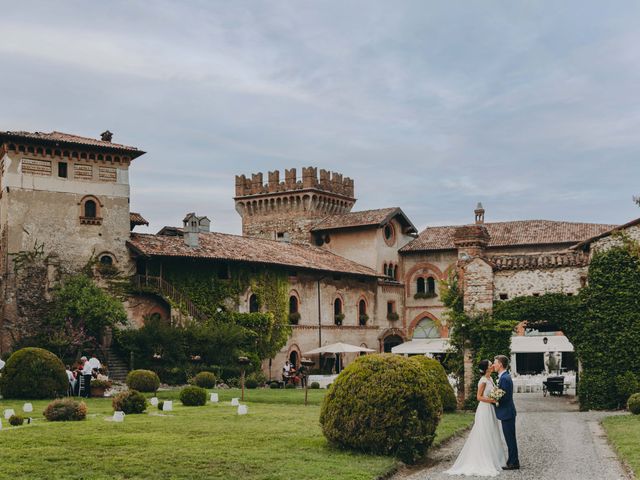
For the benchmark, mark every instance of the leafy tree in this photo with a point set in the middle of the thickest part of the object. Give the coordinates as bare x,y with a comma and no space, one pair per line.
80,301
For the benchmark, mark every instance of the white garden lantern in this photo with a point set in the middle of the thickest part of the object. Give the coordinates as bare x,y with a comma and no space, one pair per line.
154,401
167,406
235,402
243,409
8,413
118,416
213,398
27,408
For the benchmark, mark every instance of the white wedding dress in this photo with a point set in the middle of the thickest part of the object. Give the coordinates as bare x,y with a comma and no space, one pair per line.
483,453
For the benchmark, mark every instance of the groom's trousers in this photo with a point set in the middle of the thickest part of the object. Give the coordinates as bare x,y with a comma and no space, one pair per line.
509,430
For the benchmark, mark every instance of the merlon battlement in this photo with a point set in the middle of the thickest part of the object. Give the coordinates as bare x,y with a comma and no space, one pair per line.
331,182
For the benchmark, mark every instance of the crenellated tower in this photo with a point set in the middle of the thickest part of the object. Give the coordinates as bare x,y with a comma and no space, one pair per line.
287,210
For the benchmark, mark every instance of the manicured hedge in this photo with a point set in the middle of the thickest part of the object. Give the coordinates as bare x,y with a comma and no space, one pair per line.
193,396
129,402
382,404
439,378
205,380
33,373
65,410
633,404
143,380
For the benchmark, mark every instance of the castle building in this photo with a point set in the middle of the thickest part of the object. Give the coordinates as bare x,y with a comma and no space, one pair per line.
367,278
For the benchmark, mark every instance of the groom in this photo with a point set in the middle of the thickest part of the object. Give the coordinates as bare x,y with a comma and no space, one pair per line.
506,411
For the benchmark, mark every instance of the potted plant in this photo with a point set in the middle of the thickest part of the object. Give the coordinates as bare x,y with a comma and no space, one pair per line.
294,318
339,318
98,387
393,316
364,318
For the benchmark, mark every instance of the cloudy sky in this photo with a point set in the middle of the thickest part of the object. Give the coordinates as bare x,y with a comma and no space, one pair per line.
532,108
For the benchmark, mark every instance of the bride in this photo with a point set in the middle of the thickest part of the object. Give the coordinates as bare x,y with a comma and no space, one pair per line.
483,453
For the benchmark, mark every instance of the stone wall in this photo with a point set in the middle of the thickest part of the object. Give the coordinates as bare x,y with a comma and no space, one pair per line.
610,241
516,283
478,286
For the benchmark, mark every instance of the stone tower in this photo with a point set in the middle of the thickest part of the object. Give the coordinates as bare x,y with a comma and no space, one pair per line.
63,199
287,210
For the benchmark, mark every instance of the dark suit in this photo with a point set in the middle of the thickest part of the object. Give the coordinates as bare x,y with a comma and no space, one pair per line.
506,413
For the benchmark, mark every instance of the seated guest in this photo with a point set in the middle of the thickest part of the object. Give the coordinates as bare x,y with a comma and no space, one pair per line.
72,381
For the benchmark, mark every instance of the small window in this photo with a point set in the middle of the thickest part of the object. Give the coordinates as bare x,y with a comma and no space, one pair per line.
431,285
536,294
90,209
504,296
106,260
391,307
420,285
362,312
388,232
62,169
338,316
254,306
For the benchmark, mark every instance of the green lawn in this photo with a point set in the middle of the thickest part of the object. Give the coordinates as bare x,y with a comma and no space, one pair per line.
624,434
280,438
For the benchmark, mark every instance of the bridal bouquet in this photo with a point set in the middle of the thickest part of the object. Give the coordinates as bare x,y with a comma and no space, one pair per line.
496,394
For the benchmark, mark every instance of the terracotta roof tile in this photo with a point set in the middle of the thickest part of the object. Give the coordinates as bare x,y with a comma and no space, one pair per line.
361,219
137,219
539,260
66,138
222,246
520,232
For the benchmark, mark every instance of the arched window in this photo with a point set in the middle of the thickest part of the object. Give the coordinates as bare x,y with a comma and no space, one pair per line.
338,316
431,285
362,312
90,209
254,306
386,269
294,314
426,328
420,286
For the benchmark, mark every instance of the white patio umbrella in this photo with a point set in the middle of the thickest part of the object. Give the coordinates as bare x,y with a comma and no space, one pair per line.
338,348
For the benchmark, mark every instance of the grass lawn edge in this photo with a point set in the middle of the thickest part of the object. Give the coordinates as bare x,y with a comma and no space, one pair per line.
627,467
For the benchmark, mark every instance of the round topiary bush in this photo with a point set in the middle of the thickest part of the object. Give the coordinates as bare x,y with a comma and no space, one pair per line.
290,386
633,404
143,380
193,396
33,373
129,402
16,420
439,377
205,380
65,410
382,404
274,385
161,405
314,385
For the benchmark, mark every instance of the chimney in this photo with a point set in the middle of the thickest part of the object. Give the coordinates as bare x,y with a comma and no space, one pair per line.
479,211
203,224
191,230
106,136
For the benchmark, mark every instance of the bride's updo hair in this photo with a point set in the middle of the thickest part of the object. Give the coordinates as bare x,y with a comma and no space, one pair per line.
483,365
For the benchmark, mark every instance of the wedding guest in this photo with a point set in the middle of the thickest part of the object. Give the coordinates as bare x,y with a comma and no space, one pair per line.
72,381
87,373
95,363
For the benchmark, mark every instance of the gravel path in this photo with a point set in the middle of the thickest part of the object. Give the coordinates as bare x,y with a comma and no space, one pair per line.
555,440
